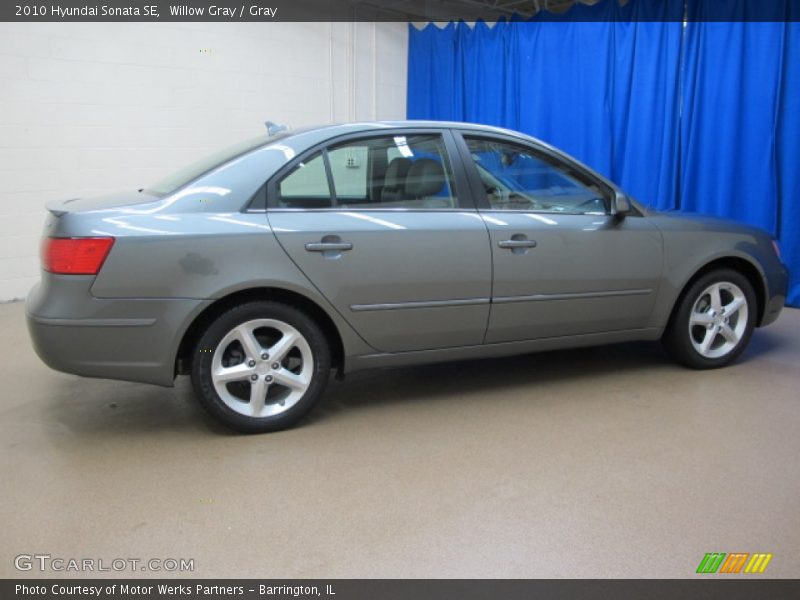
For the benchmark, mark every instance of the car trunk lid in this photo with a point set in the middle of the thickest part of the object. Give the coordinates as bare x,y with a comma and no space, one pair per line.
72,205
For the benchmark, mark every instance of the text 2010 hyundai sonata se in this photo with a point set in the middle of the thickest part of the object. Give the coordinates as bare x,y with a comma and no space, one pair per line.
262,268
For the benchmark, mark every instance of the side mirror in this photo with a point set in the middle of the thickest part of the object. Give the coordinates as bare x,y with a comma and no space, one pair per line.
622,205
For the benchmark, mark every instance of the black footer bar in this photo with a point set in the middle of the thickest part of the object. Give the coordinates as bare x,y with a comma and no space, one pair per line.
399,589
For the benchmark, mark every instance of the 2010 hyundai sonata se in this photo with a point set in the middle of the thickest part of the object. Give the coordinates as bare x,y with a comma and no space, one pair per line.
264,267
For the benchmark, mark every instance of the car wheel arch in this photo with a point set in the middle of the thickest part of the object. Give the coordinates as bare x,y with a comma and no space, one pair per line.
202,320
740,264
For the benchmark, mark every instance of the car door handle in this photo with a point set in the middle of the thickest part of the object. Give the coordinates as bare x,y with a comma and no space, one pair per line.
512,244
329,246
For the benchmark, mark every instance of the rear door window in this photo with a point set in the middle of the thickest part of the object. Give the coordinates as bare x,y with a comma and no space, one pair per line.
393,172
305,186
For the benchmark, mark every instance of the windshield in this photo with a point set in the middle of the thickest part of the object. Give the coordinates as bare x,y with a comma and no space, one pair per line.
187,174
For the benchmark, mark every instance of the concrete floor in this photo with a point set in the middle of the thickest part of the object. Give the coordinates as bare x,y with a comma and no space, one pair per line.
606,462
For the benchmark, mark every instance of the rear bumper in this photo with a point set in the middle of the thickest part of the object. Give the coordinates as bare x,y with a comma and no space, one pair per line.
127,339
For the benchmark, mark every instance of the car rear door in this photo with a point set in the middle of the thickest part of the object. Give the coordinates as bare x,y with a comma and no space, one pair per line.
384,226
562,264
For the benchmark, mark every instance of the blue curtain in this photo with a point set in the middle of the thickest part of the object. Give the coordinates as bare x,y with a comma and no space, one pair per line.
788,158
704,119
601,85
740,130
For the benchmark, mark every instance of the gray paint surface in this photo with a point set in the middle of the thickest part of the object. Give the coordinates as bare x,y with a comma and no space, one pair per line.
417,285
399,258
587,274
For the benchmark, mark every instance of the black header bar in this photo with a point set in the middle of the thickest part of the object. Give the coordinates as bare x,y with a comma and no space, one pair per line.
395,10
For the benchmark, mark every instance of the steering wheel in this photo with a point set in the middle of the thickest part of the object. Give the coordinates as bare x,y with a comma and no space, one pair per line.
510,197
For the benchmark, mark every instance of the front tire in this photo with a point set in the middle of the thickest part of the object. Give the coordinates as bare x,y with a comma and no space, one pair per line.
713,321
261,366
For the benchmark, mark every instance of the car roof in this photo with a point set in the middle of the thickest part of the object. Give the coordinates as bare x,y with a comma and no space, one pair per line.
410,124
321,133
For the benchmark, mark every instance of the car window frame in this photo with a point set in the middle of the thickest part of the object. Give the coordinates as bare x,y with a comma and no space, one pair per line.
559,160
465,200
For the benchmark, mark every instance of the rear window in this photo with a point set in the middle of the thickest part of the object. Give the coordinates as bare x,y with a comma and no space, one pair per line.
181,177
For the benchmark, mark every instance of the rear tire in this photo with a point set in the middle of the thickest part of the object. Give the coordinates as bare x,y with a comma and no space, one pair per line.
261,366
713,321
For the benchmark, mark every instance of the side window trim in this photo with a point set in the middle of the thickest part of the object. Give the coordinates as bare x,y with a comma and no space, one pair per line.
470,171
476,186
329,175
465,201
464,196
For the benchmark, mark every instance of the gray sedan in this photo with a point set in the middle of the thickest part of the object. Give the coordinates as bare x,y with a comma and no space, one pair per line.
262,268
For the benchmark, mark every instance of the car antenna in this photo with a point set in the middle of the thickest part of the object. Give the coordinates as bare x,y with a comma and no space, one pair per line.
273,128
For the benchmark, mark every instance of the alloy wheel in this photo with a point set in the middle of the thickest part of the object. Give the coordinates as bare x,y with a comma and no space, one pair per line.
718,319
262,367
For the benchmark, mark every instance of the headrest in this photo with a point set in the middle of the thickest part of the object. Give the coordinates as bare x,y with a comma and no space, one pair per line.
425,178
396,173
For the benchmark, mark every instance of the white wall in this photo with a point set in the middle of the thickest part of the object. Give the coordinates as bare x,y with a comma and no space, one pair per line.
92,108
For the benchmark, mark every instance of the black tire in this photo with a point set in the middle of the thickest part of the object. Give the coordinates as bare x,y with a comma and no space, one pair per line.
678,336
206,350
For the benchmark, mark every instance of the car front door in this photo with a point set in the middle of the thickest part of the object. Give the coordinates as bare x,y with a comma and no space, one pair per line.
384,227
562,264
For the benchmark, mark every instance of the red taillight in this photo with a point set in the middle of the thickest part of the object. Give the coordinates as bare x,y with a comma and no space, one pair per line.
75,256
